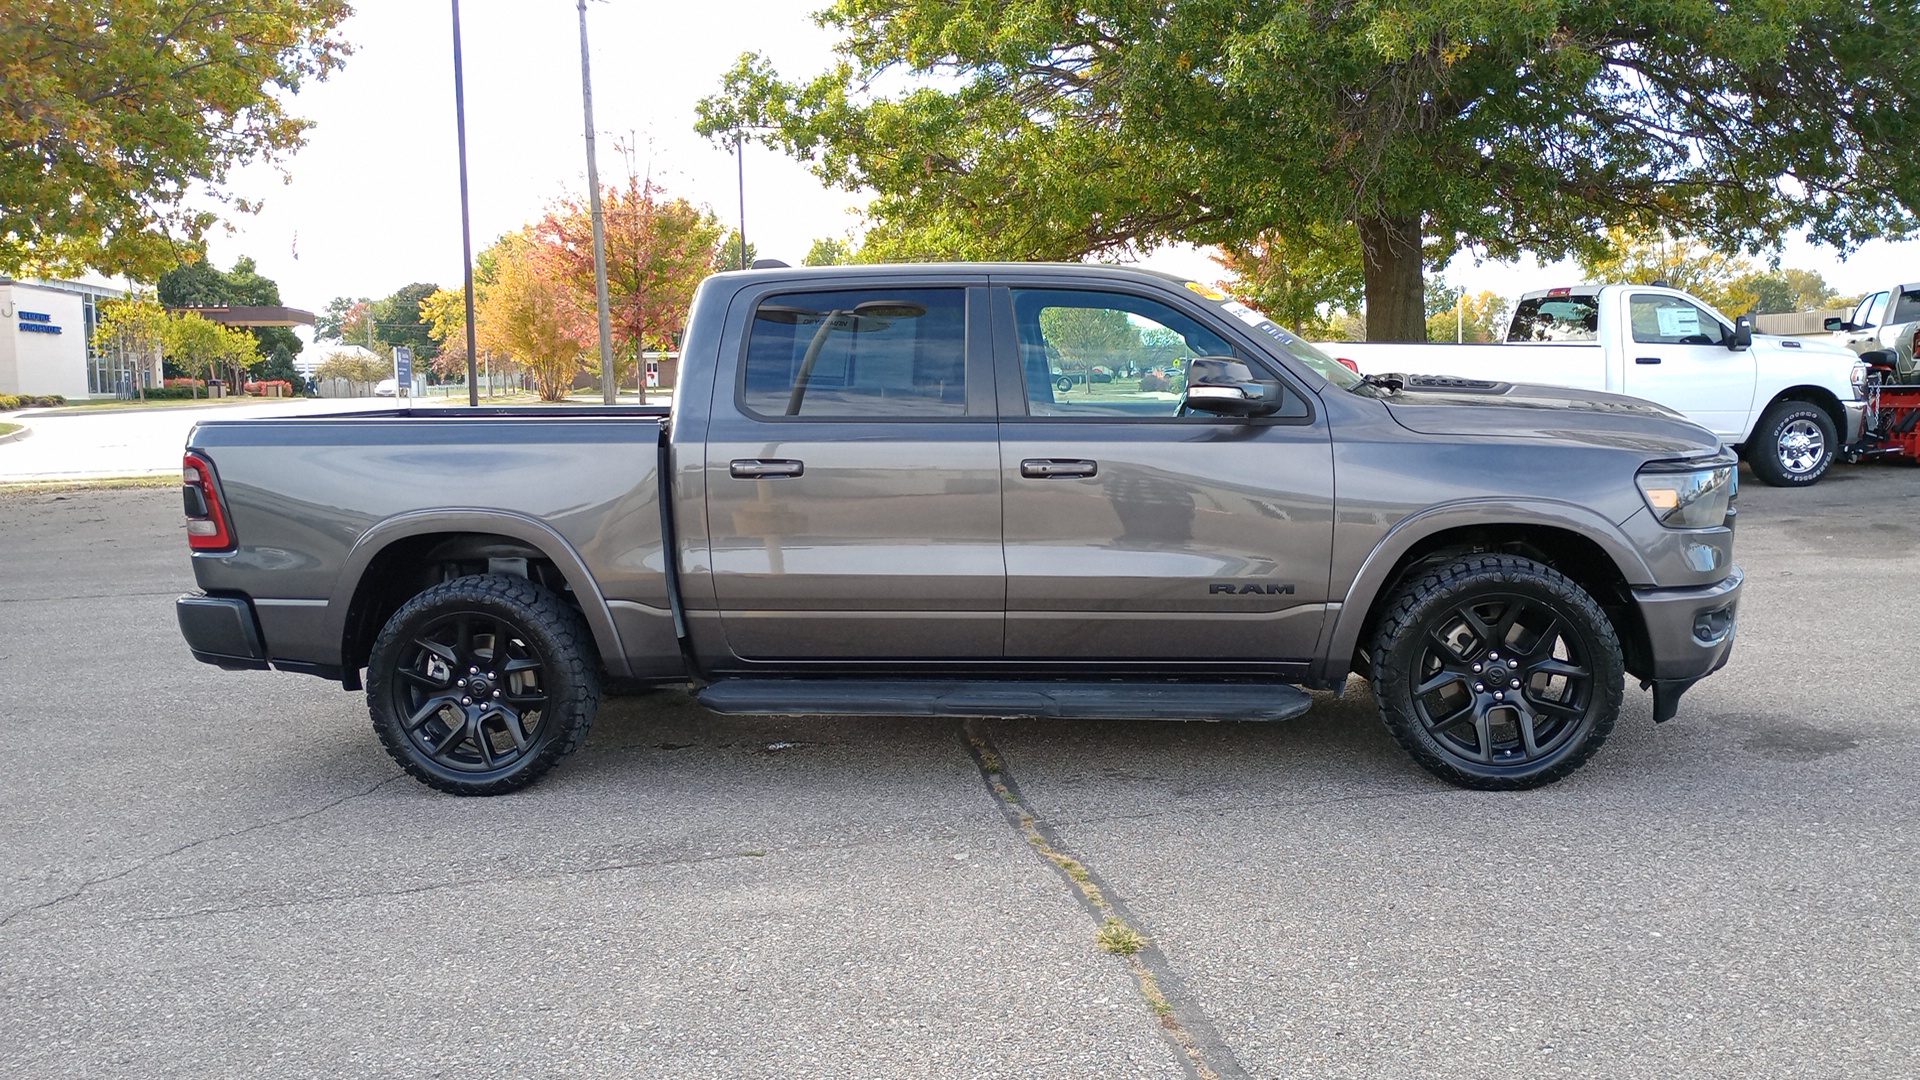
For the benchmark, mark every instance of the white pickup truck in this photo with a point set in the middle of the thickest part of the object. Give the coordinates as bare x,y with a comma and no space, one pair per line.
1888,319
1790,405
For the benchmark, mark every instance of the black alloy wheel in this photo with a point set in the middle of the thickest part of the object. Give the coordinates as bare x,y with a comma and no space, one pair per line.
481,684
1497,672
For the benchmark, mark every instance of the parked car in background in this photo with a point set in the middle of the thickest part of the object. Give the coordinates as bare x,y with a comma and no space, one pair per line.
1789,405
386,388
1888,319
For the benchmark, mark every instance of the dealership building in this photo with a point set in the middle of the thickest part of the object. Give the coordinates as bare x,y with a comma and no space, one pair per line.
46,339
45,332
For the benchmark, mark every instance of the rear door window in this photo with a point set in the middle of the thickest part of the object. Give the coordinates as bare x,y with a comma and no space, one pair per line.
1907,309
1556,318
866,354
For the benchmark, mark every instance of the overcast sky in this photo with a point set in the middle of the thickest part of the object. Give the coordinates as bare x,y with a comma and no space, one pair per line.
373,202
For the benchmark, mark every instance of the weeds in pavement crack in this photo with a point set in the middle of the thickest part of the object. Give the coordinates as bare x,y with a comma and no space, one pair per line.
1113,935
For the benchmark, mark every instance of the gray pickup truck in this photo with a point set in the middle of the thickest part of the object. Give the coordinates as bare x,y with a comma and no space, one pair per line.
873,495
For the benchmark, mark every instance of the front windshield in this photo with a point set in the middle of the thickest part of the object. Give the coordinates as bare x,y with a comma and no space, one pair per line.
1304,351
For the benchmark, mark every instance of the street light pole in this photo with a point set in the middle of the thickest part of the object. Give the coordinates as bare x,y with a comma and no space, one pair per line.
466,227
740,162
609,383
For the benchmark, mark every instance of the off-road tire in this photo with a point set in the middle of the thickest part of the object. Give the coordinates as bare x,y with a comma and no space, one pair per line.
543,669
1555,727
1771,450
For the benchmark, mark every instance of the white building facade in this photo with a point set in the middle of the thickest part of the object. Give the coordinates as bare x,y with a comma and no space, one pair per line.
46,331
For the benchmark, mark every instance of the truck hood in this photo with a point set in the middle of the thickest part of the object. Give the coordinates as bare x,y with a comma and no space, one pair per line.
1437,405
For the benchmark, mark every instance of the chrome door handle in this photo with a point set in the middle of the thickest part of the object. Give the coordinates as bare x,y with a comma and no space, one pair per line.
1646,359
1057,468
764,468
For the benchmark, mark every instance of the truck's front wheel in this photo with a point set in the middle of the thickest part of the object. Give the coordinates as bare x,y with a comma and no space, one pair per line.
481,684
1496,672
1793,444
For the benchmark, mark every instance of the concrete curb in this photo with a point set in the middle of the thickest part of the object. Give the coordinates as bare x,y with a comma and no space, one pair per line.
16,436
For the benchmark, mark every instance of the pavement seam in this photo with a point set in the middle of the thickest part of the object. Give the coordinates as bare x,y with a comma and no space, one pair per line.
81,889
1204,1054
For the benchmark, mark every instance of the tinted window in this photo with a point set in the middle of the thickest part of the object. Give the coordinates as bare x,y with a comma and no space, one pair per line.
1556,318
1106,354
861,353
1906,309
1669,320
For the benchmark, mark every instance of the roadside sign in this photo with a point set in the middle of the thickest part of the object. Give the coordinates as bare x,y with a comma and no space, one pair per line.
402,371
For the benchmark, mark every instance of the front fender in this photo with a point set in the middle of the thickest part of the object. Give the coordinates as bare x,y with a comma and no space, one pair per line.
1376,572
342,609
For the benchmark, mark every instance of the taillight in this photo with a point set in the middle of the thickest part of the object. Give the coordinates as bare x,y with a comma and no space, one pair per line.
1348,364
207,528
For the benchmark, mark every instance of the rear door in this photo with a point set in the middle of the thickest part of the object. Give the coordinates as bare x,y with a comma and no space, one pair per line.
854,481
1676,354
1136,535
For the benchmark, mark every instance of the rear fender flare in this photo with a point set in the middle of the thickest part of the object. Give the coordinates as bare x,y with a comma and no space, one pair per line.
530,531
1376,572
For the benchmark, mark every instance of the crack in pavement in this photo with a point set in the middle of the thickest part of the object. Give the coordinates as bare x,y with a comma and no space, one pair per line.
1204,1053
81,889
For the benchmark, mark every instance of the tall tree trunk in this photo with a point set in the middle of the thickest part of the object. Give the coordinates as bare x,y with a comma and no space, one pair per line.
1396,289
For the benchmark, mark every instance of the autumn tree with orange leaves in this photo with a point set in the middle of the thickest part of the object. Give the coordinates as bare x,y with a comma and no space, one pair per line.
658,251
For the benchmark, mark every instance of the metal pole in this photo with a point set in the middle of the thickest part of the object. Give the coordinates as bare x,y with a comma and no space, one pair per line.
466,227
740,163
609,384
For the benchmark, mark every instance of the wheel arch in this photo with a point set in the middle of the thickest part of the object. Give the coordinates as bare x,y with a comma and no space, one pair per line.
393,561
1573,540
1827,401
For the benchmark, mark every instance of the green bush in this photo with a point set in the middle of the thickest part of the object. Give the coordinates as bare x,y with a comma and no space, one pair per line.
174,393
10,402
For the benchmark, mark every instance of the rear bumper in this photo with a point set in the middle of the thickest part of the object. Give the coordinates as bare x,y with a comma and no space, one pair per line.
221,630
1690,634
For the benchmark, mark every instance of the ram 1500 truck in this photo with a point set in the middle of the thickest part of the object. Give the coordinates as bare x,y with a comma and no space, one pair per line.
1788,404
871,495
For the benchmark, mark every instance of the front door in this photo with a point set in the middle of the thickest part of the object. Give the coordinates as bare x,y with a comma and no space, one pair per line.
1677,355
1136,534
854,492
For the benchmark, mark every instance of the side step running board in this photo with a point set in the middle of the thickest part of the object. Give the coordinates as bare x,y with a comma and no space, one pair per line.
1084,700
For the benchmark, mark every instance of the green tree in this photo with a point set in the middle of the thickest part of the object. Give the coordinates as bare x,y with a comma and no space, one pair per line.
1681,262
1058,130
730,256
355,368
342,314
1299,282
1478,317
113,113
135,330
199,283
1079,337
397,321
830,251
206,350
1782,291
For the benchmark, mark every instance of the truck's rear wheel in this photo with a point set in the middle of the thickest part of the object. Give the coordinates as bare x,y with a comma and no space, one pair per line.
1793,444
1496,672
479,685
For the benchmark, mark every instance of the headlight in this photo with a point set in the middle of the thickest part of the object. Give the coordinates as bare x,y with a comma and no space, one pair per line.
1684,498
1858,377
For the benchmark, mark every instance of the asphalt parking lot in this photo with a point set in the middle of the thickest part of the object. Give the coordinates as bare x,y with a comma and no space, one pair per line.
207,874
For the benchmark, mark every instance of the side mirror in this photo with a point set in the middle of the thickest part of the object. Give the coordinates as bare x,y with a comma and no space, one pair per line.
1742,334
1226,387
1834,324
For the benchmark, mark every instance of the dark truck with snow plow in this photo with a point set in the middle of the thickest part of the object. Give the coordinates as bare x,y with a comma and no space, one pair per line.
873,494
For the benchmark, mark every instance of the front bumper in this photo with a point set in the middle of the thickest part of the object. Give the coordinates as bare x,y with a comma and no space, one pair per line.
1690,633
1856,422
221,630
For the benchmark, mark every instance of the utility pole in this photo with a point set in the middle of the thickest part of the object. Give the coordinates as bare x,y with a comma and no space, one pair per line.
609,382
466,227
740,163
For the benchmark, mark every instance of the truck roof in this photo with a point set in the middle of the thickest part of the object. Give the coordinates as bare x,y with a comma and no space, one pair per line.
1111,271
